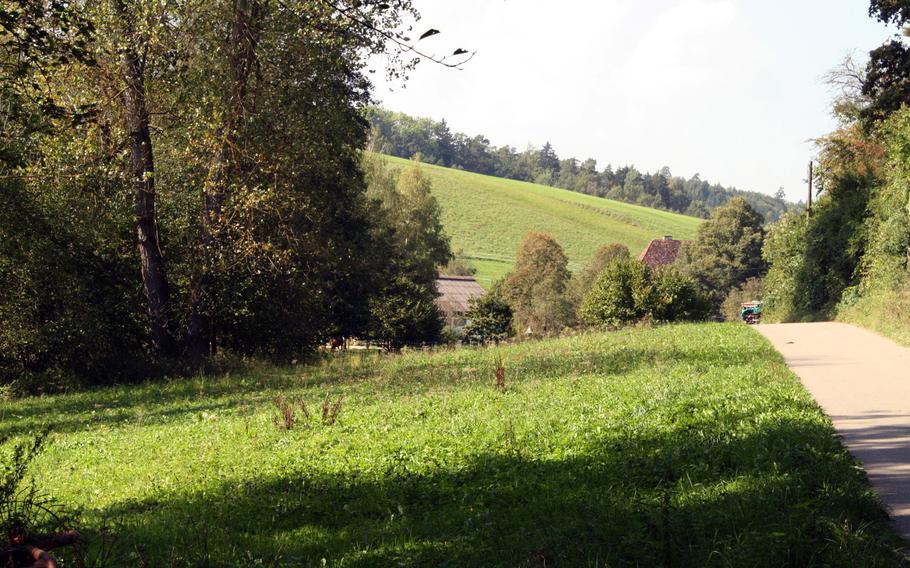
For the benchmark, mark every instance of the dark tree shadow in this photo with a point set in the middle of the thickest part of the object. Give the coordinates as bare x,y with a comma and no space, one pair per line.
696,495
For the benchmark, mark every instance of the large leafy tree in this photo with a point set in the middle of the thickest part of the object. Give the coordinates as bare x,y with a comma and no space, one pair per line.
535,289
887,78
211,148
581,281
727,249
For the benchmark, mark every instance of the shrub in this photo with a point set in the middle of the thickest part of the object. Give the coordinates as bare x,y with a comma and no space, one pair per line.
627,291
489,319
536,288
581,282
675,297
404,314
619,295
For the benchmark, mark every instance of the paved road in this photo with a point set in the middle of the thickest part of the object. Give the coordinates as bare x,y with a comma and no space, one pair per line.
862,381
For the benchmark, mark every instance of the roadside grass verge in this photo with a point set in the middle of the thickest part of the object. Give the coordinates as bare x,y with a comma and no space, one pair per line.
689,445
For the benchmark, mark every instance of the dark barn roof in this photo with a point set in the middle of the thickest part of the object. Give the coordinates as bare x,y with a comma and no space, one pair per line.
661,252
456,292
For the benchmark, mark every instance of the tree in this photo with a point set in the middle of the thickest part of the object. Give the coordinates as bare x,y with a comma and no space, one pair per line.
581,282
619,295
535,289
627,291
886,82
489,319
727,249
196,169
409,239
404,314
547,160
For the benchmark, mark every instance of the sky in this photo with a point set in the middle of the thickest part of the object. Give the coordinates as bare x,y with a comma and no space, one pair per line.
732,90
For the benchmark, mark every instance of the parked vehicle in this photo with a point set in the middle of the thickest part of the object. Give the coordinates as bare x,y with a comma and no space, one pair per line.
750,312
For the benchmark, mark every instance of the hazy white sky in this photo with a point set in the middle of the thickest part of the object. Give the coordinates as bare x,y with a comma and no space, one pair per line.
729,89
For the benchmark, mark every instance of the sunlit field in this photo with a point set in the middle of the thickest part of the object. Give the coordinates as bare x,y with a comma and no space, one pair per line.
683,445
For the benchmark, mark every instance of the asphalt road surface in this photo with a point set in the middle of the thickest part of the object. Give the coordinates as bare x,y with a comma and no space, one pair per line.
862,381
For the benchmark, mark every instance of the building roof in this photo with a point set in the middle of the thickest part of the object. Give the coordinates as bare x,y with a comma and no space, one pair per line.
661,252
456,292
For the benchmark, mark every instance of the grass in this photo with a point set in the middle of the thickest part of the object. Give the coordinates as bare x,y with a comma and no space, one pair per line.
488,217
883,310
674,446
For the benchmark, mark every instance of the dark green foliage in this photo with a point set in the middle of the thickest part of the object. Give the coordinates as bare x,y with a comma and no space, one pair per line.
675,297
896,12
404,136
408,244
489,319
619,296
814,259
535,289
627,291
727,250
887,82
285,249
582,281
404,314
67,300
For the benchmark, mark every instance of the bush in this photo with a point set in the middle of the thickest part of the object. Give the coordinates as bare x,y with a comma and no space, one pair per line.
581,282
536,288
404,314
489,319
619,295
675,297
627,291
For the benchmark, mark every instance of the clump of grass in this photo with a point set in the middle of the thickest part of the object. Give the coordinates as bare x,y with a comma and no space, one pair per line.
500,376
330,411
286,416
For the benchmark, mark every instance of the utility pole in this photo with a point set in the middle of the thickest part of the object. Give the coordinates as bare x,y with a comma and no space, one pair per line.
809,208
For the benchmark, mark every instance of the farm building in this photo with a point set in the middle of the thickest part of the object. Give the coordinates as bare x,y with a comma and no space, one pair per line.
661,252
455,295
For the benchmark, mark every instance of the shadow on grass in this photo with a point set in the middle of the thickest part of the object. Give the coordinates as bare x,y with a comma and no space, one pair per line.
153,403
698,494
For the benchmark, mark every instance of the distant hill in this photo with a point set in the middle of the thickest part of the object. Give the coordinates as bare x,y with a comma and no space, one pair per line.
399,134
488,217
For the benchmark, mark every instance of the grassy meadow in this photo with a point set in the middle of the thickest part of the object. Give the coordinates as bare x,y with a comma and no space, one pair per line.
688,445
489,216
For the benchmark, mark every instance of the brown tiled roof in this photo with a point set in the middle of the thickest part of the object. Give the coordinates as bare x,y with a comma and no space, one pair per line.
456,292
661,252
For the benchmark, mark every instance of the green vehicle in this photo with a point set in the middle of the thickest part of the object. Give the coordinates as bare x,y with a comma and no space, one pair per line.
750,312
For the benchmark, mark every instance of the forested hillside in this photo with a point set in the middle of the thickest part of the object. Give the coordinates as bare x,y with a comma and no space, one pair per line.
404,136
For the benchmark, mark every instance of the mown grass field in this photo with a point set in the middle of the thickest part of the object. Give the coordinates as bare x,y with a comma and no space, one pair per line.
686,445
488,217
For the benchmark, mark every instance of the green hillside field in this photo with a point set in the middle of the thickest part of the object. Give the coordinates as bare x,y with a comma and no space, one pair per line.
488,217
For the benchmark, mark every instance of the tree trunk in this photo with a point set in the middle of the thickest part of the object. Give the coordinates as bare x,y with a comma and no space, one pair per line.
142,177
242,45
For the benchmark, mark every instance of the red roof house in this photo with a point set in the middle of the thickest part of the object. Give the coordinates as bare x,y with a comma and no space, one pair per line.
661,252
